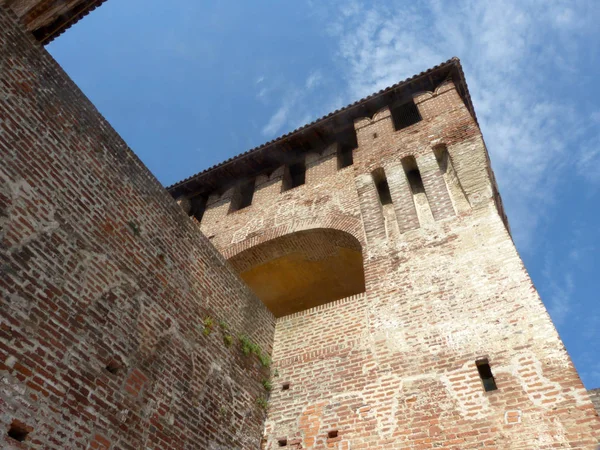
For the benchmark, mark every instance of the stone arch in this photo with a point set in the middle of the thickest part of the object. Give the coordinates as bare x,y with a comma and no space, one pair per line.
303,269
348,224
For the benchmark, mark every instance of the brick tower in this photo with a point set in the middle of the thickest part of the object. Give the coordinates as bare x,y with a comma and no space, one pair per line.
405,317
367,253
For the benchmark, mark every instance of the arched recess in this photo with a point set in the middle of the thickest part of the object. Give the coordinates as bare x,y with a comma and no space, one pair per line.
303,270
346,223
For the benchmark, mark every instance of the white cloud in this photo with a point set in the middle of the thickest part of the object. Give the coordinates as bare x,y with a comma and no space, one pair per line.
512,53
588,163
277,120
262,93
313,80
561,297
293,112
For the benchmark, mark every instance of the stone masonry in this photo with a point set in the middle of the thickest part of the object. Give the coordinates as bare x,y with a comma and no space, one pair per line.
396,365
106,287
595,396
397,311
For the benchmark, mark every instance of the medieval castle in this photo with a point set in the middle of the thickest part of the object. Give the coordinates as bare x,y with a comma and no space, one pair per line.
350,285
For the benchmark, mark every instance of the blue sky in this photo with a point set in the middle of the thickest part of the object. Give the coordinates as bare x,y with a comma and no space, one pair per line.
188,84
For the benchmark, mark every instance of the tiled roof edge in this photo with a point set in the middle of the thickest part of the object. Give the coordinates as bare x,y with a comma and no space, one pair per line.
73,20
452,61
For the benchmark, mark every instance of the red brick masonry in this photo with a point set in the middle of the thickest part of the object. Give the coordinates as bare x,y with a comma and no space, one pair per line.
105,285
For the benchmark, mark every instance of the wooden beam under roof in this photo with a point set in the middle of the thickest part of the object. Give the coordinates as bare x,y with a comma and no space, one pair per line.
47,19
284,148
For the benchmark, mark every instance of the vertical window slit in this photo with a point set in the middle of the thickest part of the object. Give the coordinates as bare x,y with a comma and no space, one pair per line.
413,175
345,157
453,184
383,189
485,373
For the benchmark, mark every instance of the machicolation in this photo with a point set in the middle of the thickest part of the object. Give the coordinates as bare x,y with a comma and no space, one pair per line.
350,285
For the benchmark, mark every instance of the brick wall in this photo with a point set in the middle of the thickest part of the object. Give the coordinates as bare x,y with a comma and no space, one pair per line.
395,367
106,285
595,397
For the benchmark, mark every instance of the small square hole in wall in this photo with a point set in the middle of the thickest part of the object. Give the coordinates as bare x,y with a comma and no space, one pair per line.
282,442
374,135
332,434
18,431
113,367
285,387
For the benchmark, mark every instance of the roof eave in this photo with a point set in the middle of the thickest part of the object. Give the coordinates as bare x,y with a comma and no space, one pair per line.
184,186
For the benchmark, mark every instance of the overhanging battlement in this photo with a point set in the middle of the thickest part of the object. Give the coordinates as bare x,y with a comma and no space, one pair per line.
47,19
336,127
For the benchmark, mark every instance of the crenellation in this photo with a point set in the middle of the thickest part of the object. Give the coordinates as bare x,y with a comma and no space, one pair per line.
453,183
369,129
402,197
436,190
321,166
370,206
351,285
444,289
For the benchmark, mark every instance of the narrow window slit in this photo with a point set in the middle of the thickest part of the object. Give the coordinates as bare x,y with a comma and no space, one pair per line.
421,202
441,155
485,373
453,184
383,189
345,157
413,174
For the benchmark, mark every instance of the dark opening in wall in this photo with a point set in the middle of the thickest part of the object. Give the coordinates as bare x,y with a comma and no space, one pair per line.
282,442
457,193
442,157
243,196
295,176
113,367
18,431
405,115
485,373
285,387
345,157
198,206
383,189
332,434
414,176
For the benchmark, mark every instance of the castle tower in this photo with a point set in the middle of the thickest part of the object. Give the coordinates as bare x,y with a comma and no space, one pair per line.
405,317
367,252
